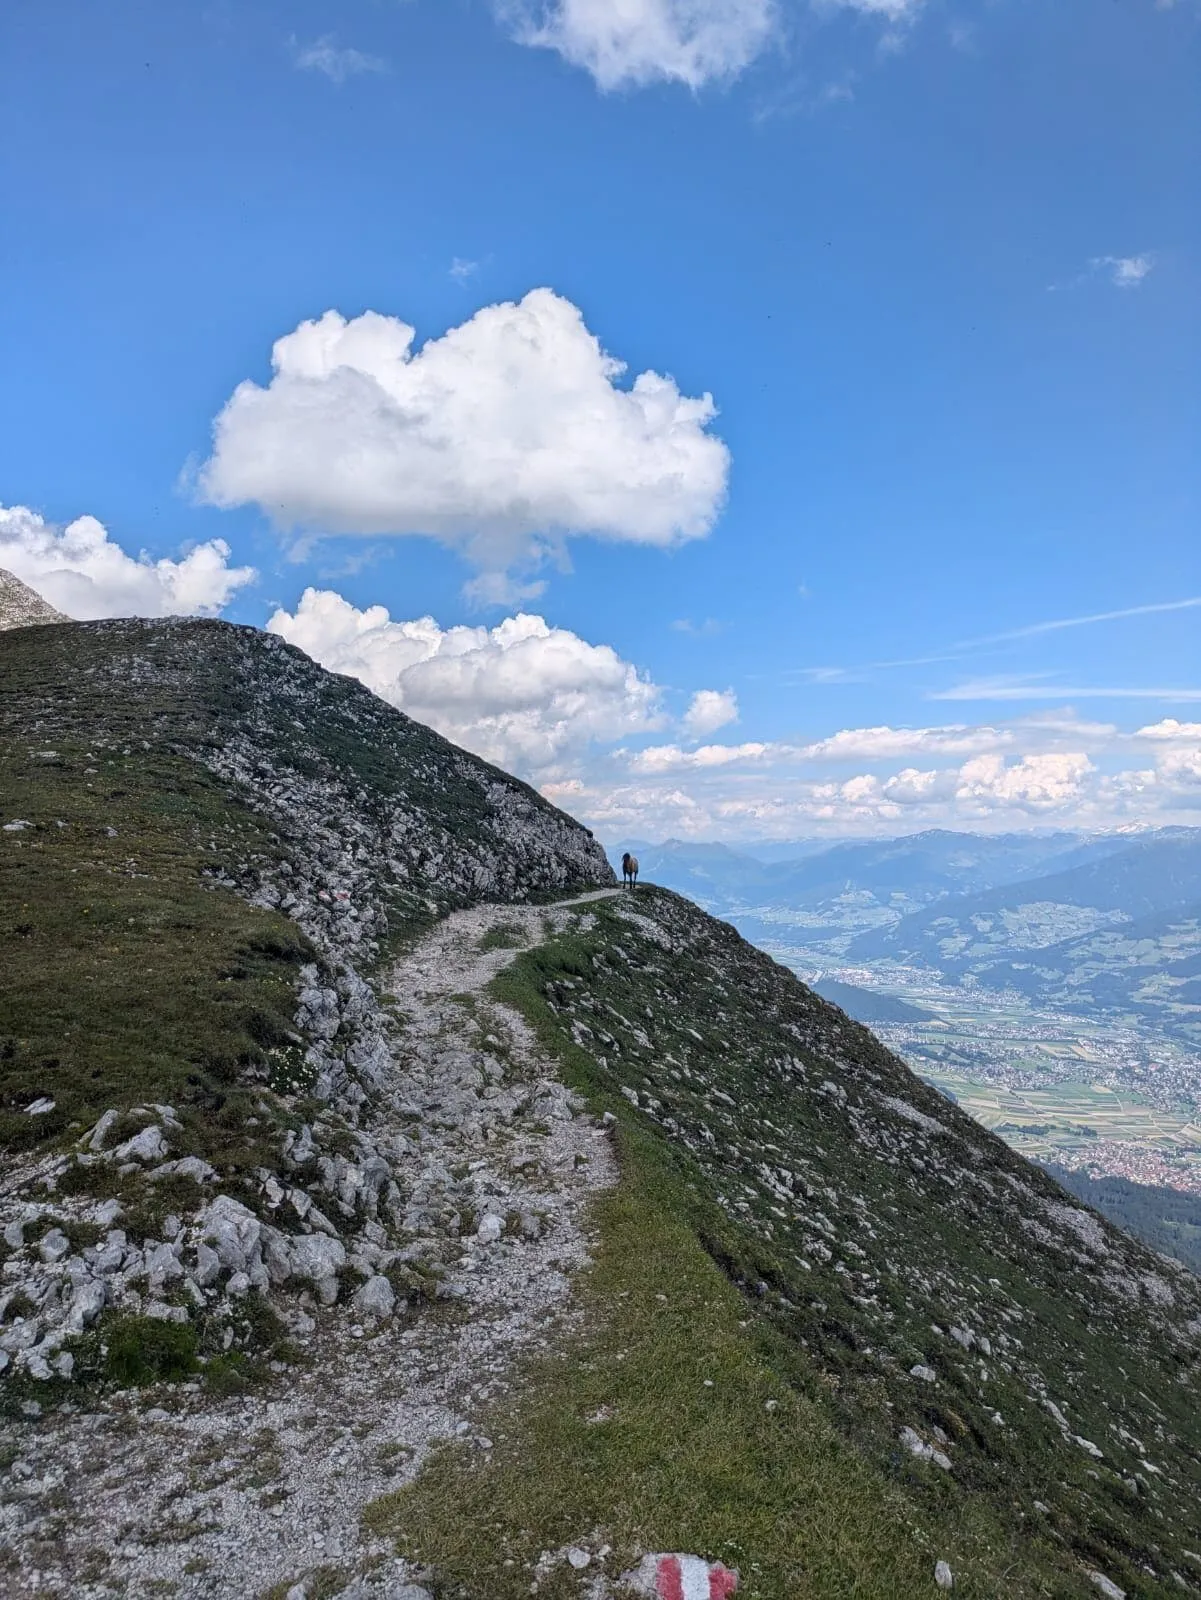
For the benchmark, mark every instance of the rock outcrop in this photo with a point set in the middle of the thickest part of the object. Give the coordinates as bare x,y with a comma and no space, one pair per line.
21,606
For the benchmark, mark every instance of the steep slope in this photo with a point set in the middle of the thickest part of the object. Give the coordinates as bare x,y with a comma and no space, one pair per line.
208,846
1020,1375
297,1127
21,606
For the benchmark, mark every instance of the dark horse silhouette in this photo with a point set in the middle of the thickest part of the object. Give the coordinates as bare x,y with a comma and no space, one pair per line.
629,869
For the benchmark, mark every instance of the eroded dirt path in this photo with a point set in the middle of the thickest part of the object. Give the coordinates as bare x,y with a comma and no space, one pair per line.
181,1493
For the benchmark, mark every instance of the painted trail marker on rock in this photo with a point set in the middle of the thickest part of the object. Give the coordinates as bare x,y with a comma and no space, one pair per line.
679,1577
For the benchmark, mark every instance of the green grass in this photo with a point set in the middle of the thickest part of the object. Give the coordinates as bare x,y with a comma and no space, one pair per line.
502,936
676,1465
142,1350
814,1497
129,978
753,1470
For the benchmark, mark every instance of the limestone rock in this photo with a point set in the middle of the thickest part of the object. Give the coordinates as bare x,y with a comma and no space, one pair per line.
148,1145
376,1298
23,607
54,1245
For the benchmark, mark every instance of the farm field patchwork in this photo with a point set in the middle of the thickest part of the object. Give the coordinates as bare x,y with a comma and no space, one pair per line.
1113,1098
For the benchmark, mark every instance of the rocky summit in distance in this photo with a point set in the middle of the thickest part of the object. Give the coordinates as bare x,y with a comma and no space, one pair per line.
21,606
392,1206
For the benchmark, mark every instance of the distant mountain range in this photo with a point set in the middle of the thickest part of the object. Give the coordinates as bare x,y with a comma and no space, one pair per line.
897,874
1108,922
1122,934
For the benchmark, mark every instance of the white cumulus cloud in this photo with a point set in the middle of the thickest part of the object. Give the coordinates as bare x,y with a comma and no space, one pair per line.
522,694
1178,758
500,438
1181,765
81,571
1044,782
1170,731
625,43
659,758
710,709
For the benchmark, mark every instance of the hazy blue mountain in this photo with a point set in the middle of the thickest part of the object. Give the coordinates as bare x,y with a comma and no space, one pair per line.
897,874
1150,875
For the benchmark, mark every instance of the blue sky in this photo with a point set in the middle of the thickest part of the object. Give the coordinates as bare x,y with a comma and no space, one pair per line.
937,265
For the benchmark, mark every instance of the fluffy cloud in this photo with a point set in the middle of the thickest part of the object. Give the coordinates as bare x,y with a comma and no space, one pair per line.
85,574
734,790
624,43
1169,731
671,758
500,438
1035,783
849,744
1181,766
1178,758
709,710
522,694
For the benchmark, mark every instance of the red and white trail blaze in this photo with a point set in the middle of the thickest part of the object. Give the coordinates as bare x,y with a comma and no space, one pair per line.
690,1578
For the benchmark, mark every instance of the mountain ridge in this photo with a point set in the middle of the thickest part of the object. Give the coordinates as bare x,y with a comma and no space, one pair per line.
330,1058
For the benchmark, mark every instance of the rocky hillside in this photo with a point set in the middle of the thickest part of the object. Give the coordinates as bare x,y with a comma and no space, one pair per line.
366,1154
208,846
21,606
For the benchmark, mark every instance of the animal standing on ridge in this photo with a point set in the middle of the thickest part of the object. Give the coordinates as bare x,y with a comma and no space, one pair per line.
629,869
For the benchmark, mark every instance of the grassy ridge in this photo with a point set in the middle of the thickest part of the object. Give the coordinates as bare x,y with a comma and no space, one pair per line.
814,1497
652,1431
719,1433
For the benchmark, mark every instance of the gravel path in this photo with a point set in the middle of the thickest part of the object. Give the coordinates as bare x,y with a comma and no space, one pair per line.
179,1493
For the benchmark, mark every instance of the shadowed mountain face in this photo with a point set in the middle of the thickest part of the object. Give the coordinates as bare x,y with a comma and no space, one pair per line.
868,1005
248,1087
21,606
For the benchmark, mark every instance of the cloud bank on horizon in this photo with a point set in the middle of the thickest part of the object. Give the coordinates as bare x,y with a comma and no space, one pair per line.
560,711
